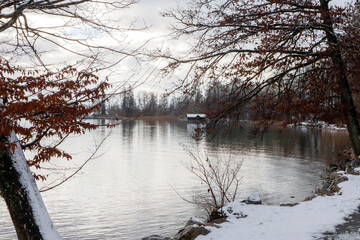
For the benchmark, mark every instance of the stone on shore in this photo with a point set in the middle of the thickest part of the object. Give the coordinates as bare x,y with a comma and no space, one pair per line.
192,230
253,199
156,237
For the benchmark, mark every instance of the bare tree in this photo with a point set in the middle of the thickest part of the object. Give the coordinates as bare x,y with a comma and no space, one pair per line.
85,29
220,177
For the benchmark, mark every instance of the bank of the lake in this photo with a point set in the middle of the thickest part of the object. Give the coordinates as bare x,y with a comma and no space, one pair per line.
168,118
306,220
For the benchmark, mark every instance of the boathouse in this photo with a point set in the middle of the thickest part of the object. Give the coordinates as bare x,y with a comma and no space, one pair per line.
196,117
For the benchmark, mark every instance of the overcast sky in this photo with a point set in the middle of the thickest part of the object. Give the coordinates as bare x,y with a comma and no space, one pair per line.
149,11
145,12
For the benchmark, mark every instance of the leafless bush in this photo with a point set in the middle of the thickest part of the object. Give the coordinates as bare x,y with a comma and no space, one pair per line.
220,176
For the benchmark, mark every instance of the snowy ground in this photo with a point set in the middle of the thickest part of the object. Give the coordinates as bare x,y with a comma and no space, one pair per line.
308,220
348,236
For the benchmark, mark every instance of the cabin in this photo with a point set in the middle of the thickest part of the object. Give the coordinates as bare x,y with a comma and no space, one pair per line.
196,117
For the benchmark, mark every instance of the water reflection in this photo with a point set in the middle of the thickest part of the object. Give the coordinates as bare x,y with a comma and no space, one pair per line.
128,192
318,145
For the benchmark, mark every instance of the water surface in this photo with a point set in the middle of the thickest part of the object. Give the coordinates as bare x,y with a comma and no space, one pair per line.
128,192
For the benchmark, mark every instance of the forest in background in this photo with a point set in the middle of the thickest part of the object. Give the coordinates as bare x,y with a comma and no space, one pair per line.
146,103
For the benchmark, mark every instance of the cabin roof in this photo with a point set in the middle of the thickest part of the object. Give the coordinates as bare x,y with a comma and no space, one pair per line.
195,115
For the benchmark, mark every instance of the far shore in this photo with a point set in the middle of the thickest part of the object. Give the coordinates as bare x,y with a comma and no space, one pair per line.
144,118
274,123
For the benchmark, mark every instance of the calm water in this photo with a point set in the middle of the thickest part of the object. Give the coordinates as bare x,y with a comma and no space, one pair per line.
128,191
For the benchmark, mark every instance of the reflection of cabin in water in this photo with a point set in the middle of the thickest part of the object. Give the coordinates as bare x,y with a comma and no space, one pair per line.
196,117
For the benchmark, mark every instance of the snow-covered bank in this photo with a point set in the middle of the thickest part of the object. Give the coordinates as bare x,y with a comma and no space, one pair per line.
307,220
319,124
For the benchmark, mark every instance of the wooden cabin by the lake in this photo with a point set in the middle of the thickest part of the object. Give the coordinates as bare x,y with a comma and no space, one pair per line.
194,117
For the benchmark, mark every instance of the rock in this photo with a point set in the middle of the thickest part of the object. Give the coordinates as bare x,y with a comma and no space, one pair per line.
156,237
192,230
341,179
288,204
355,163
309,198
330,186
217,221
352,171
194,220
236,214
332,168
334,179
216,214
253,199
334,175
345,161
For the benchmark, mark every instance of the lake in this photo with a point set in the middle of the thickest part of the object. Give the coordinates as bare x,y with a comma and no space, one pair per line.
131,190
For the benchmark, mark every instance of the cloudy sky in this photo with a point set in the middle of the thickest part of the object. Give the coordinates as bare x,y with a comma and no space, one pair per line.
148,11
145,12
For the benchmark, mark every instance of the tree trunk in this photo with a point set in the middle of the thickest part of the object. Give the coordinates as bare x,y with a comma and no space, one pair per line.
23,199
351,115
346,96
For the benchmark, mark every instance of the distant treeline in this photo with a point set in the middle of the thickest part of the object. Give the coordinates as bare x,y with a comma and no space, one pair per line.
145,103
151,104
212,100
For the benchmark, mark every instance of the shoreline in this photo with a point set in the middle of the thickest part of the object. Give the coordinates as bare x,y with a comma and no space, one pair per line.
238,213
320,125
169,118
143,118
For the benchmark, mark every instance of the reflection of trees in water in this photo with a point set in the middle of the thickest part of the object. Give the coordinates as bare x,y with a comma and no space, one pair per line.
127,128
152,130
101,122
304,143
164,131
148,130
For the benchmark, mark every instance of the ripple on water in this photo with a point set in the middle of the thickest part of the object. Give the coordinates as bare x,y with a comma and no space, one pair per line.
128,192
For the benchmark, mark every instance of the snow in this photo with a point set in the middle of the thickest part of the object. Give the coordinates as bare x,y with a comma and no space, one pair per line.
255,197
196,115
348,236
307,220
41,215
319,124
197,220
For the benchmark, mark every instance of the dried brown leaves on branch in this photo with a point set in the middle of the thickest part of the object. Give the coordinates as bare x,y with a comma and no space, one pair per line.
40,105
40,99
53,100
